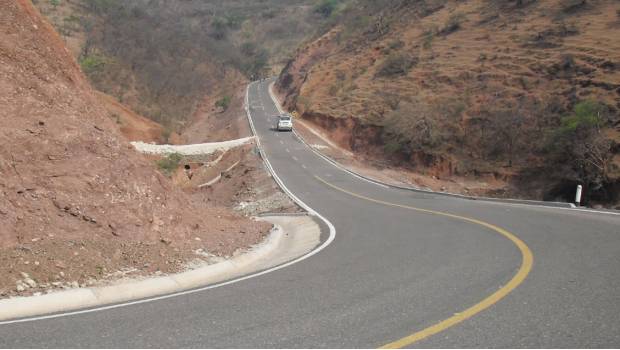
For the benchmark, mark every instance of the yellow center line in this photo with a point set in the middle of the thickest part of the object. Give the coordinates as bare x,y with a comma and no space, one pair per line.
527,260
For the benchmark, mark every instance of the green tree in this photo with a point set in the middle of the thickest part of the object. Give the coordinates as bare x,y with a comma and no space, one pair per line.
581,141
223,102
101,6
170,163
325,8
587,115
92,64
396,64
248,49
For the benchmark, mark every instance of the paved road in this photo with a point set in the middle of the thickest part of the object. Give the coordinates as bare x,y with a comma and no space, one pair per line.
392,270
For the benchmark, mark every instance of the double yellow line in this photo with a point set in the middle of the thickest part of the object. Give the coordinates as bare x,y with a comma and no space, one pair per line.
527,260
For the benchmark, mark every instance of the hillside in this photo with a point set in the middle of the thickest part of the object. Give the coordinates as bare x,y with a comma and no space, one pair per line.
78,202
167,59
524,93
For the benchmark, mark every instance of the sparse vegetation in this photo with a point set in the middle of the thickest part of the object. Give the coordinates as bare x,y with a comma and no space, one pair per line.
580,143
354,26
394,45
567,61
326,8
223,102
573,5
334,89
162,56
255,65
503,133
392,100
169,163
70,24
427,38
454,23
411,128
92,64
304,102
490,98
587,115
396,65
166,135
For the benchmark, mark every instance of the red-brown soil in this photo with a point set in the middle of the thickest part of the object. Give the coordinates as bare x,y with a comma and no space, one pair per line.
75,197
133,126
213,124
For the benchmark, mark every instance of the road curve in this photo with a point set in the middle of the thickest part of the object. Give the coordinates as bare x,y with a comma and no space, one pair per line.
403,263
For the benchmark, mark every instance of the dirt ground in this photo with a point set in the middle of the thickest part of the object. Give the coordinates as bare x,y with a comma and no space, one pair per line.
77,202
132,125
213,124
51,262
234,179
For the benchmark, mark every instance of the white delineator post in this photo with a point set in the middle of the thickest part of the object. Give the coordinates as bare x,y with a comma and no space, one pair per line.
578,195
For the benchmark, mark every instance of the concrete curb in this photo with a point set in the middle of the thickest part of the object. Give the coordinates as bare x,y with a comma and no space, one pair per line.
274,175
281,214
413,189
189,150
83,298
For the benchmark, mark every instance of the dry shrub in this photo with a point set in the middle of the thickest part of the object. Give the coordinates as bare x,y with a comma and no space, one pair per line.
397,64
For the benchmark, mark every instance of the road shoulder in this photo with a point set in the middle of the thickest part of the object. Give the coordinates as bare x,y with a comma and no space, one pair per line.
292,237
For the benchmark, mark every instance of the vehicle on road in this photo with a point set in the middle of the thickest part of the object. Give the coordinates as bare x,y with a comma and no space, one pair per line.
285,123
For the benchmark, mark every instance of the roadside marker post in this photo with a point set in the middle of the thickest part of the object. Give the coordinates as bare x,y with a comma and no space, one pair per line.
578,195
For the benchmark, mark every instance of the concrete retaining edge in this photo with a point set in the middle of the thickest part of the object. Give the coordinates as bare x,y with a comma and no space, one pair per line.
23,309
189,150
83,298
274,175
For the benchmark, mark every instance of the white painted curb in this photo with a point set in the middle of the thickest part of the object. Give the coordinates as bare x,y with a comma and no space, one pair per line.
332,229
63,301
190,150
85,297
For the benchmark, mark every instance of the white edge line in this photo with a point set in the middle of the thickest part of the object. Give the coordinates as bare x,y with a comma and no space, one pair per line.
330,239
573,207
337,165
330,161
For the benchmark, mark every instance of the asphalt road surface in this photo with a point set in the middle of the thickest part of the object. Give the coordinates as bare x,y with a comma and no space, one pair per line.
451,272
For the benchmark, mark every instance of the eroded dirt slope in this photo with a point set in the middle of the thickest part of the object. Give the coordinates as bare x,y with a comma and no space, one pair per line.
472,90
75,196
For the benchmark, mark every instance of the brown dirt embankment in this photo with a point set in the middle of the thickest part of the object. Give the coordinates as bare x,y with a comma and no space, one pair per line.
133,126
77,202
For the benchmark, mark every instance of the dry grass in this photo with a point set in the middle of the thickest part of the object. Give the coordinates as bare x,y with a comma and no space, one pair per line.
494,57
